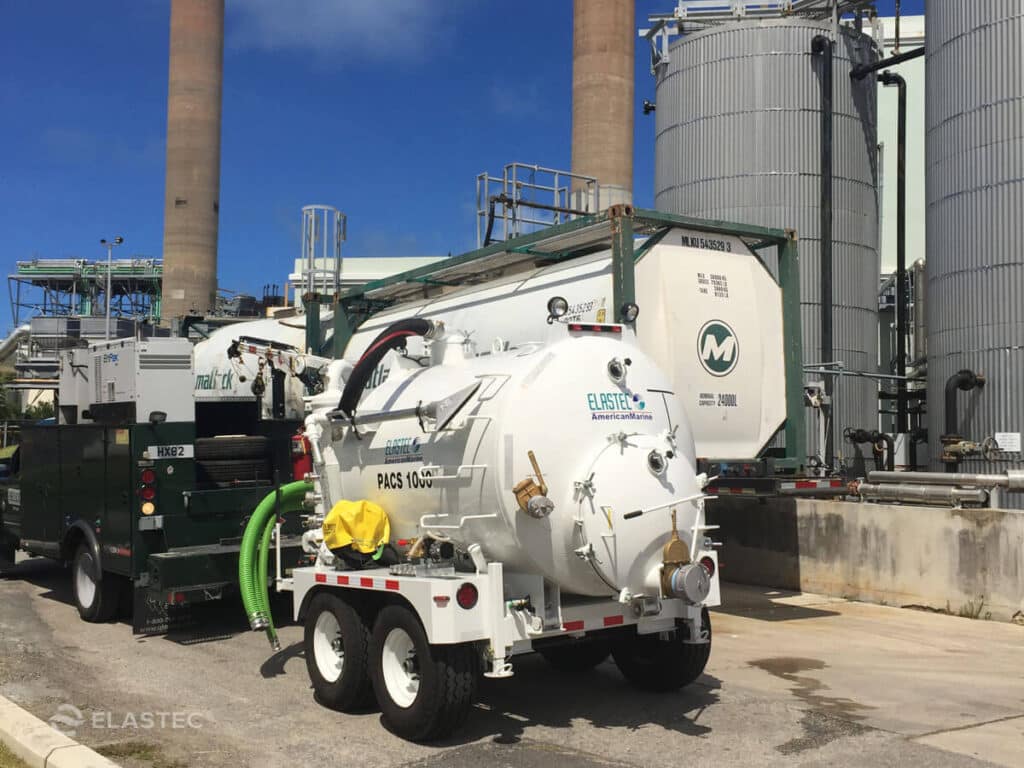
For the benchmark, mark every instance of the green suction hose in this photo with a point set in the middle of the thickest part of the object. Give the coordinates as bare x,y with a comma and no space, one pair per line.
254,553
262,586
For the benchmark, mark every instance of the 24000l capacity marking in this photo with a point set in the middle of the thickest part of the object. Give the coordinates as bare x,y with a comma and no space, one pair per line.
399,481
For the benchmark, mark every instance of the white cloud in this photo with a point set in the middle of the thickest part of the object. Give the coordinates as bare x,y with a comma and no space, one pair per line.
378,29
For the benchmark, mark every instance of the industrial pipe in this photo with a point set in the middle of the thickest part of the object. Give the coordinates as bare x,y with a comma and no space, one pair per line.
822,46
392,337
924,494
863,70
1011,480
876,438
964,380
890,78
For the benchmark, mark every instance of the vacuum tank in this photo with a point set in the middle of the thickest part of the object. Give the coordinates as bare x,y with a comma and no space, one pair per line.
975,100
738,138
587,419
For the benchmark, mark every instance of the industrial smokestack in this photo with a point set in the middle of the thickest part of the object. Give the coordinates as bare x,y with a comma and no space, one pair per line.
602,95
192,199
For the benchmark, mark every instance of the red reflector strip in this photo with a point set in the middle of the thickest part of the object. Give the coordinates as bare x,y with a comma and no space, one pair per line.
366,582
441,600
321,578
711,490
573,626
595,328
343,580
612,621
391,584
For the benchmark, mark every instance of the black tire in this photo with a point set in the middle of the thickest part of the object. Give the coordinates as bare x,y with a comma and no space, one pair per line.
654,664
225,471
233,447
101,602
350,691
577,656
447,679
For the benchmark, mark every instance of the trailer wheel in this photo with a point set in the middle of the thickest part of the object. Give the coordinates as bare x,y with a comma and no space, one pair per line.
424,691
96,596
336,641
655,664
577,656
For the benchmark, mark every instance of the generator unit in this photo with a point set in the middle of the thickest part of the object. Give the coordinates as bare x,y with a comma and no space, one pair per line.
127,381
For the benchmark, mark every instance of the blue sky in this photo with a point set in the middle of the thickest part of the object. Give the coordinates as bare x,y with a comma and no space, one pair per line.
385,108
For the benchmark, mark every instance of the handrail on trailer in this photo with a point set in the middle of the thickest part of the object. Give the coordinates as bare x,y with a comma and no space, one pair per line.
616,229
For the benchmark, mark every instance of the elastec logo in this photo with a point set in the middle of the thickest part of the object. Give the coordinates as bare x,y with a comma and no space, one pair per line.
402,450
617,406
717,348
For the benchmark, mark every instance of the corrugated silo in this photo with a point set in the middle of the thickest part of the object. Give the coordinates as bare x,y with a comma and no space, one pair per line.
975,179
192,196
738,137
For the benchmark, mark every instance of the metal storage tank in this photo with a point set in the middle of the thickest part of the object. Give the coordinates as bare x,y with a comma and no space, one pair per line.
975,179
738,137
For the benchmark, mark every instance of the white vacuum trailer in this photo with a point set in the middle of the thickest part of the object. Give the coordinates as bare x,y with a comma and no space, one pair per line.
710,316
540,498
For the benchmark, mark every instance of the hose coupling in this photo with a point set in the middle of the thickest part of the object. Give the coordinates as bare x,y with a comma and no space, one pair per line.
691,583
258,621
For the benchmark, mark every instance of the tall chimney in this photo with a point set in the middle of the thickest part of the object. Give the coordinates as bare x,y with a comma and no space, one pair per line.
192,198
602,95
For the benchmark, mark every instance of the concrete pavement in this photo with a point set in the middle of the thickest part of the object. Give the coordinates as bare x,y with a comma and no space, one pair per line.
793,679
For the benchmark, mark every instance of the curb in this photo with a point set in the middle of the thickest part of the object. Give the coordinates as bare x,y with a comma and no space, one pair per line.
41,746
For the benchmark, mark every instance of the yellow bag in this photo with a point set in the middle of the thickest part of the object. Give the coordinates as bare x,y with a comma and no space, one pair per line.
361,525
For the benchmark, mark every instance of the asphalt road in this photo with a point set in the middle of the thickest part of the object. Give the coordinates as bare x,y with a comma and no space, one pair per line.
793,680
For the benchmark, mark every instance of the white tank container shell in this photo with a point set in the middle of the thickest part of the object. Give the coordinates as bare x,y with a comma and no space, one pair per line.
710,316
218,379
559,401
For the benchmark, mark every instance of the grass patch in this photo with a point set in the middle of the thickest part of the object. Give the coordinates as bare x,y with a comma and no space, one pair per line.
8,759
137,751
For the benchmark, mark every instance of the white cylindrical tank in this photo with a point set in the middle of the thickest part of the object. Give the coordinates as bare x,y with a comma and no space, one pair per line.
710,317
615,453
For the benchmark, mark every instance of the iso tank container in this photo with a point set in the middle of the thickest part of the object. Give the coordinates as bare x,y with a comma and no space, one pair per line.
975,218
738,138
710,316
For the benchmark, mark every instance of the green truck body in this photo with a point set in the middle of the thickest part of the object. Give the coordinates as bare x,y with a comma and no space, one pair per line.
71,484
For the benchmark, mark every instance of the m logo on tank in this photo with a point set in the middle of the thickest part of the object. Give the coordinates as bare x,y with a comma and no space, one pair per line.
717,348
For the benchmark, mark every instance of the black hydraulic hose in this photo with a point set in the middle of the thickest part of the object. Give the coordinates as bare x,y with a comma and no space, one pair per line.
891,78
822,46
392,337
965,380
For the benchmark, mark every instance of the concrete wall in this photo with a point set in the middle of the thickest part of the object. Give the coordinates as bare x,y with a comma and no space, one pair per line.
969,562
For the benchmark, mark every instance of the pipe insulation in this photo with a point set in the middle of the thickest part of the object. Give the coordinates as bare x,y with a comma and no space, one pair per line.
923,494
1012,480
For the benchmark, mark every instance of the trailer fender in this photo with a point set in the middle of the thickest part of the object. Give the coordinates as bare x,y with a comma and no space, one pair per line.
81,531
